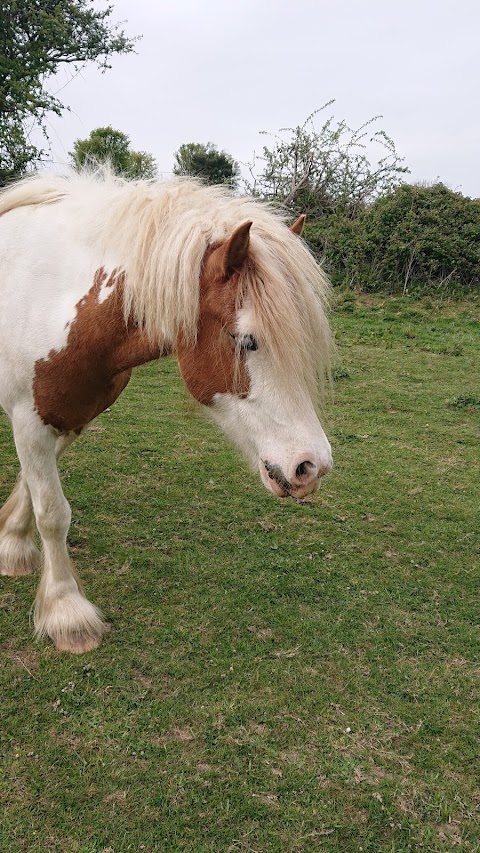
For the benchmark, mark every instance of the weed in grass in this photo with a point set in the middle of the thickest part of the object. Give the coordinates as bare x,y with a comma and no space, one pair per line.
340,372
466,401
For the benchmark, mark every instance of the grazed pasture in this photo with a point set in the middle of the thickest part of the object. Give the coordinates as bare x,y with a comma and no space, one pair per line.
279,677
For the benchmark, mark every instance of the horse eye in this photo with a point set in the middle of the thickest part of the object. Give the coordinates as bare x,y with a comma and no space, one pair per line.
246,342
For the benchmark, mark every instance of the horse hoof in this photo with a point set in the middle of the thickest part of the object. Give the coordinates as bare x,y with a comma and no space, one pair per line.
78,644
73,624
17,571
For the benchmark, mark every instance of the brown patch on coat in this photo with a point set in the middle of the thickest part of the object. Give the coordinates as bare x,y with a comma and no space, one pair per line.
212,365
73,385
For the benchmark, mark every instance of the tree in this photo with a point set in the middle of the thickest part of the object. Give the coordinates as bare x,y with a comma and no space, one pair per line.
206,162
324,171
107,145
36,37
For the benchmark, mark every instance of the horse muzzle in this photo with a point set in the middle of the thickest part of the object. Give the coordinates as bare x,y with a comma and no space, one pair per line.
300,478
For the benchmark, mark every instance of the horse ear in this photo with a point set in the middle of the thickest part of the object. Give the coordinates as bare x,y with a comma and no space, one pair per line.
297,226
235,249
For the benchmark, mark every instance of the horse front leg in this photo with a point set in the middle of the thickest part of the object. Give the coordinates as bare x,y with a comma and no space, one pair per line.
61,610
19,554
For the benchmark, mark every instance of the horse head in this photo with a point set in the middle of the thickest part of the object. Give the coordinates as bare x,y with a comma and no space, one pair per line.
240,368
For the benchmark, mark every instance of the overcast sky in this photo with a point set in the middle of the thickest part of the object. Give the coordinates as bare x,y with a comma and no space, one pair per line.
222,71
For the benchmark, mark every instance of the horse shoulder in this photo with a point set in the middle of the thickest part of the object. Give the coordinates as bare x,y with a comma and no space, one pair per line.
73,385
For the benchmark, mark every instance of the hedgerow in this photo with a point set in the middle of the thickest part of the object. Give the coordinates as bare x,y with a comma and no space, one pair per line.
414,236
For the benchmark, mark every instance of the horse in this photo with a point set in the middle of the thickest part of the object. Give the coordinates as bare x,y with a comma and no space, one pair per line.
100,275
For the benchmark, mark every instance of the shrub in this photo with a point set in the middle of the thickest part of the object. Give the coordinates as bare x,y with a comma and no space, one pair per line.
415,235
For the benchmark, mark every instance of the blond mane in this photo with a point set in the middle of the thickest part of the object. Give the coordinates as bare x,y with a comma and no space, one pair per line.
158,233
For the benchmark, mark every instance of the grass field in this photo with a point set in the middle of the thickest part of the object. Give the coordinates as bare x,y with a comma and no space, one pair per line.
279,677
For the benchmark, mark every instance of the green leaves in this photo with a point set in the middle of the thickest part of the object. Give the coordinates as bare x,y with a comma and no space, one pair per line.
413,235
326,171
206,162
107,145
35,38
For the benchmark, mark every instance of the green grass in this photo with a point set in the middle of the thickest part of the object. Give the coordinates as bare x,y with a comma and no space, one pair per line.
279,677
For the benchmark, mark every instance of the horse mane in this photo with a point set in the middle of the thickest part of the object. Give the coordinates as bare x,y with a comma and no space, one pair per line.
157,232
35,189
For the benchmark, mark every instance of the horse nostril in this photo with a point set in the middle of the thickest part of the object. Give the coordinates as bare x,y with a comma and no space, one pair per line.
302,469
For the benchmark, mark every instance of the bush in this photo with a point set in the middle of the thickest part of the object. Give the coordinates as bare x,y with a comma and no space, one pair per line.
415,235
335,240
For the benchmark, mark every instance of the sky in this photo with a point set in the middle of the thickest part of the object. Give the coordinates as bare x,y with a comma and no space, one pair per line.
223,71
